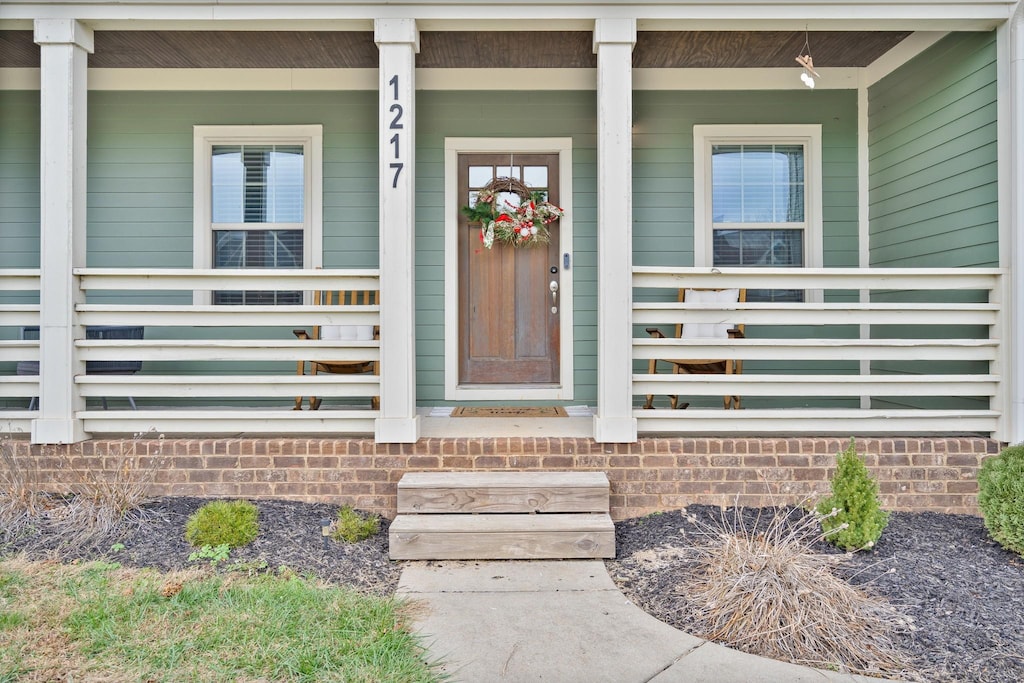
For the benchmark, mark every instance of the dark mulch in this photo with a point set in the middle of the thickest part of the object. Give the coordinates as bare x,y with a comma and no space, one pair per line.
963,594
290,536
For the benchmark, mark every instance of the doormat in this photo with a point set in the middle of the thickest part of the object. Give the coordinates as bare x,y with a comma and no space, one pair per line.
510,411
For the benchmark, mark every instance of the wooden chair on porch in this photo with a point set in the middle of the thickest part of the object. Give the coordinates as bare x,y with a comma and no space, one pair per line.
702,366
341,332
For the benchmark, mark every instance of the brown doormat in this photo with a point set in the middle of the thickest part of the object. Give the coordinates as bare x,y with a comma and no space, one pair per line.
510,411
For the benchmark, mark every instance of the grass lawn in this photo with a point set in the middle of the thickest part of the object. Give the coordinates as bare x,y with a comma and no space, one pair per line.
99,621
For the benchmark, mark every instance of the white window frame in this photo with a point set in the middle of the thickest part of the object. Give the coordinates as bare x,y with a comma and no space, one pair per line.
706,136
311,137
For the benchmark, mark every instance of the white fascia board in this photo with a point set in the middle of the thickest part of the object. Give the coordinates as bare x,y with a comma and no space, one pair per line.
781,78
19,79
284,80
651,15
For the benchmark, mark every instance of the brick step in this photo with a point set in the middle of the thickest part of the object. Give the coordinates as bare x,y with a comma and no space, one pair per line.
502,536
502,492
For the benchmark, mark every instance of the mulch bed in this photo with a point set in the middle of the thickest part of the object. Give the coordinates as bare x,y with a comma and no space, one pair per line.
290,536
963,595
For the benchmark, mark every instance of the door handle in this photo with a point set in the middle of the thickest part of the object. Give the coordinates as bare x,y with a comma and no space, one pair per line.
553,286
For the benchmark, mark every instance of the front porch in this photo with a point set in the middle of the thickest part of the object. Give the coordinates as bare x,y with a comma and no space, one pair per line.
868,352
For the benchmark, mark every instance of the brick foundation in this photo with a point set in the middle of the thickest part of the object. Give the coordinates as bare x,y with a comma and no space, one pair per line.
937,474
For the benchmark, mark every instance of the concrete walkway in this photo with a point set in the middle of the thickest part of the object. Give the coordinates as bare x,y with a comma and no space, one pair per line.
565,622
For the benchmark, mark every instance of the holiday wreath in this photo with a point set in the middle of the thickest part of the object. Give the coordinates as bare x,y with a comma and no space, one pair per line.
521,224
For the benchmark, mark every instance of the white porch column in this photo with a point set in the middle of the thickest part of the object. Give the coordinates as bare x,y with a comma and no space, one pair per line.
613,43
64,45
1012,234
398,41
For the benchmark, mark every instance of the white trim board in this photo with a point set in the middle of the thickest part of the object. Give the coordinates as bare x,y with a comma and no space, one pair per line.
808,135
472,15
433,79
452,391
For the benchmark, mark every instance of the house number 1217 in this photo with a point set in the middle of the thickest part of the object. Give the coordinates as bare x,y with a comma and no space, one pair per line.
395,111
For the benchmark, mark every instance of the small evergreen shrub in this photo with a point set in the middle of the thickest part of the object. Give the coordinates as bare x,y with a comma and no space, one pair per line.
350,527
860,519
233,523
1001,497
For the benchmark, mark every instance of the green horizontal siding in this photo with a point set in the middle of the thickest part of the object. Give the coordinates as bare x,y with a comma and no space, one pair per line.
933,184
932,151
19,180
663,164
501,114
140,170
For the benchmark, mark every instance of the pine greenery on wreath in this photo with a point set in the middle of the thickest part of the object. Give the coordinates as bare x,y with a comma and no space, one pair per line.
524,224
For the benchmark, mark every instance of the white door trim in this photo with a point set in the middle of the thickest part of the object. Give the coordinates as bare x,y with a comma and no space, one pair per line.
452,391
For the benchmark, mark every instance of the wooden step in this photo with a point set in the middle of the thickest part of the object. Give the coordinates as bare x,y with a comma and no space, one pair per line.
502,492
502,536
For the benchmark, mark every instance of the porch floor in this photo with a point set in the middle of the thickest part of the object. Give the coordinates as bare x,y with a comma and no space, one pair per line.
435,424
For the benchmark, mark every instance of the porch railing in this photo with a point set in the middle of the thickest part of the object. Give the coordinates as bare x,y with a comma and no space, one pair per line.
898,351
18,287
199,358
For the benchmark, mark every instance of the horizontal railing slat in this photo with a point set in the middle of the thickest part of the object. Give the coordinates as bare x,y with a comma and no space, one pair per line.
229,316
817,385
19,279
17,350
817,314
235,421
817,349
228,350
228,386
250,279
818,278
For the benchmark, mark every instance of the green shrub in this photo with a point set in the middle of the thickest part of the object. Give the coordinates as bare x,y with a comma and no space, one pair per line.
1001,497
351,527
233,523
860,519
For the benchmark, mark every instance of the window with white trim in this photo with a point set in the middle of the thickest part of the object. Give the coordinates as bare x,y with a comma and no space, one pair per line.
257,196
757,199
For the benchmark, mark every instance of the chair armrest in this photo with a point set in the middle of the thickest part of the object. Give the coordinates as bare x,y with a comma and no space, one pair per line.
655,332
301,334
735,333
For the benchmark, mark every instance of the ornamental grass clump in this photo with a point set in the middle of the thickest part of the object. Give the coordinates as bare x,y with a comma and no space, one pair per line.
859,519
351,527
1001,497
757,586
232,523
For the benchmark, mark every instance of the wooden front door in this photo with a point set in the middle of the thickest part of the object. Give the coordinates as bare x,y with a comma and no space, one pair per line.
508,320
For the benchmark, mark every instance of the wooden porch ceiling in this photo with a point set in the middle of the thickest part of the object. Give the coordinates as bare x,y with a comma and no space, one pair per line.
469,49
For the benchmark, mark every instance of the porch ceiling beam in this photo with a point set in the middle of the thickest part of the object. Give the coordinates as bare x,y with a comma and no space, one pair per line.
567,14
